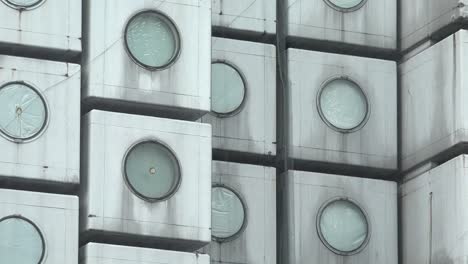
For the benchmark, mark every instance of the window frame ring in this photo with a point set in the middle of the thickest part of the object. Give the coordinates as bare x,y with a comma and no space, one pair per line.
173,190
47,113
176,33
23,8
325,242
245,220
345,10
35,226
244,82
318,104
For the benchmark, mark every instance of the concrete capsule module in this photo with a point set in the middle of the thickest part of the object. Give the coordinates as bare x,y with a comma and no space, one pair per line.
38,227
46,28
160,173
39,122
243,105
148,59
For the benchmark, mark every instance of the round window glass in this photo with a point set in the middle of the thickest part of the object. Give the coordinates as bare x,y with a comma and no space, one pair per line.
152,171
21,241
227,213
23,112
343,105
23,3
343,227
346,4
152,40
227,89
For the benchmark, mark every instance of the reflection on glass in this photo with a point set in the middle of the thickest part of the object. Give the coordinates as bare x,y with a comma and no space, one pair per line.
227,88
346,4
152,170
227,213
343,226
20,242
343,104
22,111
152,39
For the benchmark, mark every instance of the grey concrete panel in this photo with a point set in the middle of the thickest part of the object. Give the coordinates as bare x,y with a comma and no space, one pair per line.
94,253
434,215
433,100
54,25
421,19
257,16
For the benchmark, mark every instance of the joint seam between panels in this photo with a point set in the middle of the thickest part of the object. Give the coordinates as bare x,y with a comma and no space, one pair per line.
282,132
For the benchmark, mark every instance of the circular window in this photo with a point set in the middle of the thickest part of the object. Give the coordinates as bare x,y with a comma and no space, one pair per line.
152,40
23,112
228,214
343,226
152,171
21,242
228,89
343,105
346,5
23,4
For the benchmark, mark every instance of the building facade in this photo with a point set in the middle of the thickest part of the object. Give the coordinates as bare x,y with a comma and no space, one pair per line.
239,132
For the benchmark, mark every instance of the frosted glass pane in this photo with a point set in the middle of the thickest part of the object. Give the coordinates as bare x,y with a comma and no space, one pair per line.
227,88
227,213
22,111
152,170
151,39
343,104
24,3
346,3
343,226
20,242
